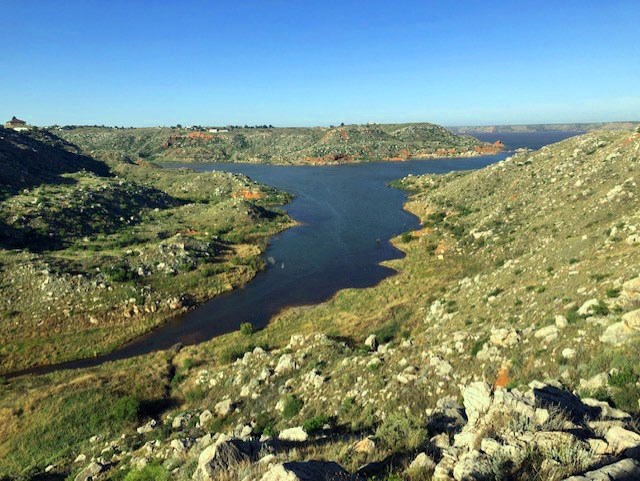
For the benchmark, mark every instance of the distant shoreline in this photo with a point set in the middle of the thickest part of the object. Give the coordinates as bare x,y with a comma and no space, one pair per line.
568,127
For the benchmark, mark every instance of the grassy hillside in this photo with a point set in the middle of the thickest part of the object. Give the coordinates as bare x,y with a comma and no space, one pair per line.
318,145
524,271
93,255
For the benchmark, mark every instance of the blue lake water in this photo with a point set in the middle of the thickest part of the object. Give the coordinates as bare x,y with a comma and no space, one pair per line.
347,215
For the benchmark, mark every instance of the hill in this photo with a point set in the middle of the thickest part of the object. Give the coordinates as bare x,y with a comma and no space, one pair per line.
506,347
94,254
570,127
317,145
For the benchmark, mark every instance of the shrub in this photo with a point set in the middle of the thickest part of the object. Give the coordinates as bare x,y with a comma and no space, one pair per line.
402,432
407,236
600,309
188,363
119,273
315,424
572,315
246,328
613,292
177,379
623,377
292,406
126,409
387,332
265,424
437,217
478,345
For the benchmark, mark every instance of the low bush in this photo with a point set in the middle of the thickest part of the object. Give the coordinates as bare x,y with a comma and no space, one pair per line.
401,432
292,406
246,328
315,424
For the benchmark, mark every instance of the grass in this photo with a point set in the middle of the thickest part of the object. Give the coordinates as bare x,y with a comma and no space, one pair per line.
292,406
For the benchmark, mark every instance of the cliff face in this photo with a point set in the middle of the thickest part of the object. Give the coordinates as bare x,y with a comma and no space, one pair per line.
351,143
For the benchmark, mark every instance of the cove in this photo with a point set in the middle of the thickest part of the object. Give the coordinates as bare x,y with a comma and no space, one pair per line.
347,215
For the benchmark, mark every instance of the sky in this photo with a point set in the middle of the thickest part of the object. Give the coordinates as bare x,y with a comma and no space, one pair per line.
301,63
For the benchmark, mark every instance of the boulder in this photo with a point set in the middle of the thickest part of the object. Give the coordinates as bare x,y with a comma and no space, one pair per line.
621,439
205,417
548,333
285,364
504,337
422,462
296,434
90,472
223,408
617,334
596,382
632,319
366,446
631,289
561,322
624,470
371,342
588,307
477,400
469,467
223,456
306,471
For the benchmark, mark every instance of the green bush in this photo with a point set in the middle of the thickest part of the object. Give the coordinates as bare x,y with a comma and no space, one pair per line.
478,345
315,424
126,409
246,328
265,424
623,377
292,406
601,309
407,236
613,292
402,432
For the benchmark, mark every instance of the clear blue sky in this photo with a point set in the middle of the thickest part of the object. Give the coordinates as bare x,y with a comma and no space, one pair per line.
314,63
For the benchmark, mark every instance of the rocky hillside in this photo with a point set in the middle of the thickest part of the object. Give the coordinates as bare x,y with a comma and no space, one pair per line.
95,254
350,143
506,347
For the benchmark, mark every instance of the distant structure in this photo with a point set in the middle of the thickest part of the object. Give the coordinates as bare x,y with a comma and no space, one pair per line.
215,131
17,124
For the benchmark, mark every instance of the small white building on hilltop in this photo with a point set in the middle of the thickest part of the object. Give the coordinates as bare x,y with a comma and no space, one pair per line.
17,124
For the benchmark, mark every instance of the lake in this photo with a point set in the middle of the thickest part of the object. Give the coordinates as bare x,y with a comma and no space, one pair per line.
347,215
